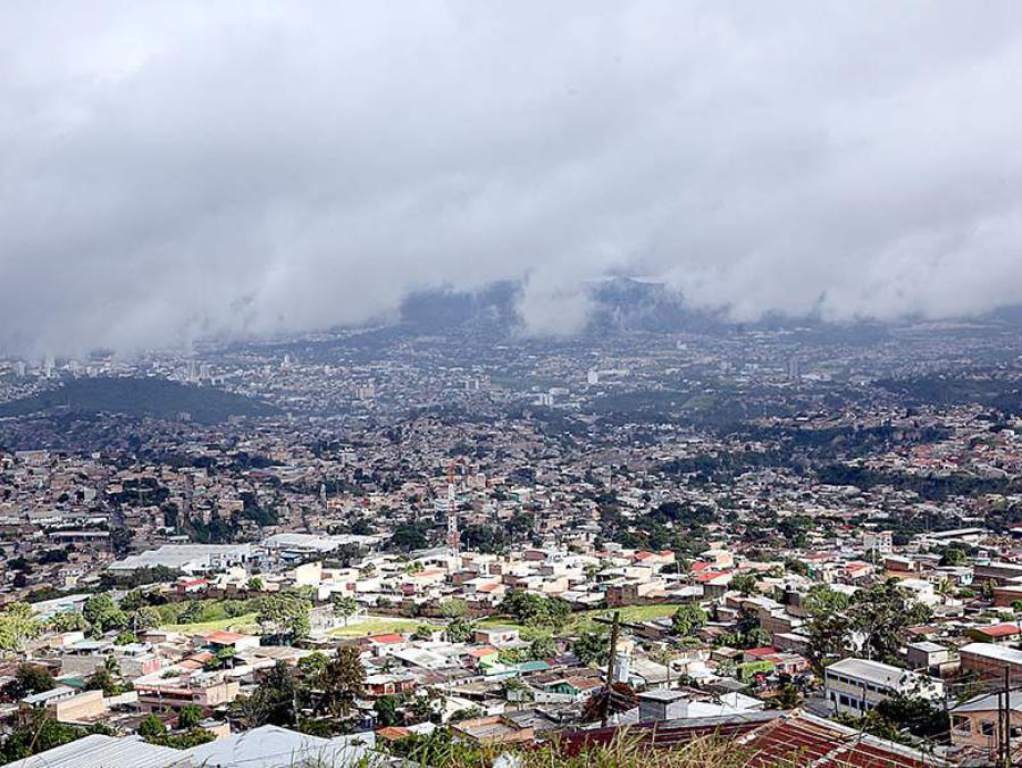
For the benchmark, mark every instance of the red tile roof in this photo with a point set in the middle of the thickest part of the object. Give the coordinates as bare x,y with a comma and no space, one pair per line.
387,639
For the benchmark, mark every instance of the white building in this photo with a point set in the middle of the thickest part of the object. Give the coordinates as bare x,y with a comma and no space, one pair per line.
854,686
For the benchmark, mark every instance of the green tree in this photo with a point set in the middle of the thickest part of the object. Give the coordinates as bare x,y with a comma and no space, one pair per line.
744,583
189,716
343,681
882,613
459,631
32,678
285,614
688,619
103,614
70,621
821,600
255,584
591,648
273,701
145,618
386,711
542,647
345,606
18,625
151,728
39,734
536,610
454,608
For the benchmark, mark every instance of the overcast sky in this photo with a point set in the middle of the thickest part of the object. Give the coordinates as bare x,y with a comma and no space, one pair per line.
169,171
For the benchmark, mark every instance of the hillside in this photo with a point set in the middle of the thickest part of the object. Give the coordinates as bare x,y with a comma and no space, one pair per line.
156,398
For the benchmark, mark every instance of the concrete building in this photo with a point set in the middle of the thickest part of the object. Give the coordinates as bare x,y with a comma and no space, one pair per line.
854,686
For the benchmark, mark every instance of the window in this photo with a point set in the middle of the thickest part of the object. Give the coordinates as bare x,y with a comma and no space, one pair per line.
986,728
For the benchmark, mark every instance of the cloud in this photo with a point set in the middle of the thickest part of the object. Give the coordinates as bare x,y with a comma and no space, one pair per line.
170,171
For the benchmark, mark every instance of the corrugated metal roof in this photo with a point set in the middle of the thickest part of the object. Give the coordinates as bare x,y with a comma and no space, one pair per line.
99,751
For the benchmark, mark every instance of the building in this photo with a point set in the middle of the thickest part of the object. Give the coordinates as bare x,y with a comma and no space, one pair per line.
974,723
854,686
207,690
987,659
879,542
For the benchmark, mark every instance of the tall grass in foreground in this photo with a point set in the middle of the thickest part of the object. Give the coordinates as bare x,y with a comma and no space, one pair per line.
623,752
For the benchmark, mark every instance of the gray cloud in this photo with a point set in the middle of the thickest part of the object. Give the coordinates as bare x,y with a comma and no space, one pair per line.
171,171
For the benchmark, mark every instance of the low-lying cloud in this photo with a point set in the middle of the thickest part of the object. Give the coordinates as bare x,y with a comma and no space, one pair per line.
180,170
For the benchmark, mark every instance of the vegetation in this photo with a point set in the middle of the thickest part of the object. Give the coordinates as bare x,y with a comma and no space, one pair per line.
18,625
153,397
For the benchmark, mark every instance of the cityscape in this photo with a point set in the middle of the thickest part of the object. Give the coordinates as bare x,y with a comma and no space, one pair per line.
510,385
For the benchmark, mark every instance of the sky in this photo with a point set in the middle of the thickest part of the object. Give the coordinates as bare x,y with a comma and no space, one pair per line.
175,171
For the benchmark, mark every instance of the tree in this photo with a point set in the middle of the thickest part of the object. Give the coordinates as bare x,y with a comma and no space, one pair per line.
39,734
343,681
459,631
125,637
145,618
284,614
70,621
688,619
103,614
31,678
345,606
744,583
882,613
454,608
273,702
591,648
542,647
821,600
255,584
189,716
313,665
18,625
103,680
536,610
385,708
151,728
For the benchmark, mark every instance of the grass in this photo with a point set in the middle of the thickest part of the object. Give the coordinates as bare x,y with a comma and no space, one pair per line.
584,621
624,751
243,623
375,625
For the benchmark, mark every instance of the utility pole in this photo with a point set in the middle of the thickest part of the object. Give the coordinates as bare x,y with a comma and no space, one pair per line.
610,666
1007,717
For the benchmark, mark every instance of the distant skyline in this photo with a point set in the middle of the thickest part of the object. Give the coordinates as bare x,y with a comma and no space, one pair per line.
171,171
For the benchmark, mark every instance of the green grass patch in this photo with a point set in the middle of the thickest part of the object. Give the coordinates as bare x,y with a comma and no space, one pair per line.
376,625
584,621
245,624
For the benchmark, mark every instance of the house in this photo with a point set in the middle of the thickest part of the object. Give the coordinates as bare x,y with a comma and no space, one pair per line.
1003,633
497,637
854,686
988,659
207,690
578,688
495,729
925,655
974,723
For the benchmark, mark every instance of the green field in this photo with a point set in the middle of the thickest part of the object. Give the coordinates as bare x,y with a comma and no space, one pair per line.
244,623
376,625
584,620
